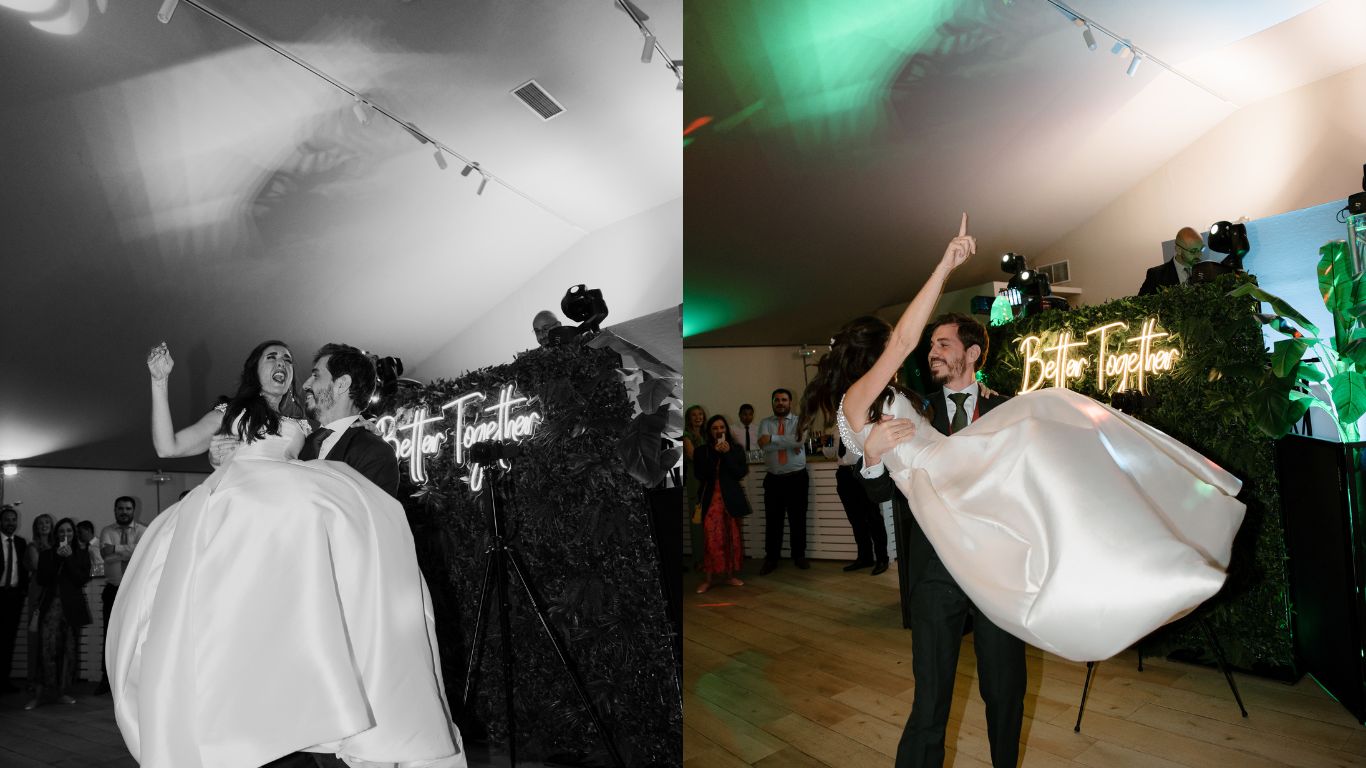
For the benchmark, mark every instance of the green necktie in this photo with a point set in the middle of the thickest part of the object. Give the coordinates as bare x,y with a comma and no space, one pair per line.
960,414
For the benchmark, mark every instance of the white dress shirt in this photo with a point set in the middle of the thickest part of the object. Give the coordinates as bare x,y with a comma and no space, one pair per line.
338,427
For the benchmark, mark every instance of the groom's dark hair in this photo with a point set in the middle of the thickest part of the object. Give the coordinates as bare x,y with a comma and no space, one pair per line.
343,360
970,332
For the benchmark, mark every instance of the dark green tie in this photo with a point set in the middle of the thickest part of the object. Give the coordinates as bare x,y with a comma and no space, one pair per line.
960,414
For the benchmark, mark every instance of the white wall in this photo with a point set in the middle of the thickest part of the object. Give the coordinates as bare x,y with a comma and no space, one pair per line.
88,494
1292,151
637,263
721,378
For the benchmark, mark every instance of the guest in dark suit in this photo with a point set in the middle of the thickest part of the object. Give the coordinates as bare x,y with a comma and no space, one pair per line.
1189,248
13,585
338,389
939,611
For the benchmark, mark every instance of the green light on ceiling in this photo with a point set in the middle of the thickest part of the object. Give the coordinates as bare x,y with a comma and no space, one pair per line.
824,68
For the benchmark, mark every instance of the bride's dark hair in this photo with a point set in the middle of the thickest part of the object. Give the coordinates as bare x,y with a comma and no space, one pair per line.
852,353
258,418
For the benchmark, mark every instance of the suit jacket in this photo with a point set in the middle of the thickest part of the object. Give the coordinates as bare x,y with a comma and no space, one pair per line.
881,488
1160,276
369,455
727,469
20,563
65,577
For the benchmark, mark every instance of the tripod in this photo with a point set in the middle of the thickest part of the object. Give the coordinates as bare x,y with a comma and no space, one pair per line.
498,558
1218,655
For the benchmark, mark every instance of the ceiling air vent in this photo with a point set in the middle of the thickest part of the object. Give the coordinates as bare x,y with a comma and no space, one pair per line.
537,100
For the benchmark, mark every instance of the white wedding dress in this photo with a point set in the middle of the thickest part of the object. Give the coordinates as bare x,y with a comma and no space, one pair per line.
279,608
1072,526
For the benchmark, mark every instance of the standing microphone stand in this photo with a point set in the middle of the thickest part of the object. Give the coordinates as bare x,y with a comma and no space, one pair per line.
498,558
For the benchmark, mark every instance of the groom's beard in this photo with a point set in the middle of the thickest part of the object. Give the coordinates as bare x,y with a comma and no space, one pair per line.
950,371
316,404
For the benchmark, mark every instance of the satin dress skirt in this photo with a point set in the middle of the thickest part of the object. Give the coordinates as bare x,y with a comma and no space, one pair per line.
1073,526
279,608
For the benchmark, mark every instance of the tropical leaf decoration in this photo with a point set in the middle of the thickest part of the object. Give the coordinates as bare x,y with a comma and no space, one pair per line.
1338,366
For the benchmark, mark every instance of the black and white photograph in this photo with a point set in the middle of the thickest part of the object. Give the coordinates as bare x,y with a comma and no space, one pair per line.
341,412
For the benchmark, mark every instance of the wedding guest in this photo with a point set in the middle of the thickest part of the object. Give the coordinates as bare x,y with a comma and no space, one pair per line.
13,583
785,485
85,539
63,571
117,543
41,541
544,322
720,466
746,433
693,419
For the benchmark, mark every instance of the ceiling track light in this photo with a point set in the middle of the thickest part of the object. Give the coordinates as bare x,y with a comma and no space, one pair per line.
1133,64
1088,36
483,182
361,110
647,54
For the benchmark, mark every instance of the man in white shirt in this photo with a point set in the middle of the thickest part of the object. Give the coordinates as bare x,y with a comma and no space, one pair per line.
117,543
746,434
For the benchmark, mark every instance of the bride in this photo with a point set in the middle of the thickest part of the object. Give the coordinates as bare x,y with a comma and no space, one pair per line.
1070,525
278,608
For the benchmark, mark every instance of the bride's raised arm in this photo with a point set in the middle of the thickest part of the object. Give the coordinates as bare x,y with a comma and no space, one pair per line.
906,334
189,441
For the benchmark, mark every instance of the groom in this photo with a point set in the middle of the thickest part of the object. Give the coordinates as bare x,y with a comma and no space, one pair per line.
939,611
335,393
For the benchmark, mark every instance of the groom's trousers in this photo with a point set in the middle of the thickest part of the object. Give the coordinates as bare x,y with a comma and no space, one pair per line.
939,610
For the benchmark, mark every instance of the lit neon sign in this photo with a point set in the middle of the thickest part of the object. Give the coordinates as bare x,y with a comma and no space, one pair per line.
1056,364
414,441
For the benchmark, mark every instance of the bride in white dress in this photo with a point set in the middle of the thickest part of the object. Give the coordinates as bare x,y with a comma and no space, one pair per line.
1070,525
278,608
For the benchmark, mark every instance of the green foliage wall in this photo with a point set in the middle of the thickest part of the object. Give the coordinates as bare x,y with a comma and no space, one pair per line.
581,526
1203,402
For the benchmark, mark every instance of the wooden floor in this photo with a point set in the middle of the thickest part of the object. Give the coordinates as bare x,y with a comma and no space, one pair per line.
811,668
84,735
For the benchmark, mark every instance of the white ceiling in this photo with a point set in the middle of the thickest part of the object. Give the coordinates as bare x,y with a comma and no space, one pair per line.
874,125
181,182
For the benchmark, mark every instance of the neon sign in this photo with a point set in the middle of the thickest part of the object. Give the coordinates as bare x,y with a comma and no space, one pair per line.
413,441
1113,363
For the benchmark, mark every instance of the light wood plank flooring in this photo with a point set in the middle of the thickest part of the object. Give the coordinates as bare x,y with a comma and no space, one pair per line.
811,668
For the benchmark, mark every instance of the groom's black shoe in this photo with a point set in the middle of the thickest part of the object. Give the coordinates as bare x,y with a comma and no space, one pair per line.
768,567
801,563
881,567
857,564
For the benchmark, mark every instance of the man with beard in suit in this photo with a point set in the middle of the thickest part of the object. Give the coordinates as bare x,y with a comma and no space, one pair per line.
939,611
335,393
1189,248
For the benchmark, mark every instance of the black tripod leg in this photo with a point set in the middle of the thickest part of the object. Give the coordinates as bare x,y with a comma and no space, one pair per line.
505,623
564,662
1223,664
478,629
1085,689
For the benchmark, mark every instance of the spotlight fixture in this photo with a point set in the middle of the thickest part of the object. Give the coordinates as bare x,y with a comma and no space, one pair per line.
468,167
647,54
1230,239
1133,64
483,182
584,305
1012,263
440,159
11,470
1088,36
1122,50
167,10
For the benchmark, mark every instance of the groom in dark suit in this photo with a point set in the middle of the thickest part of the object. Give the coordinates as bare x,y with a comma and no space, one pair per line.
335,393
939,611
